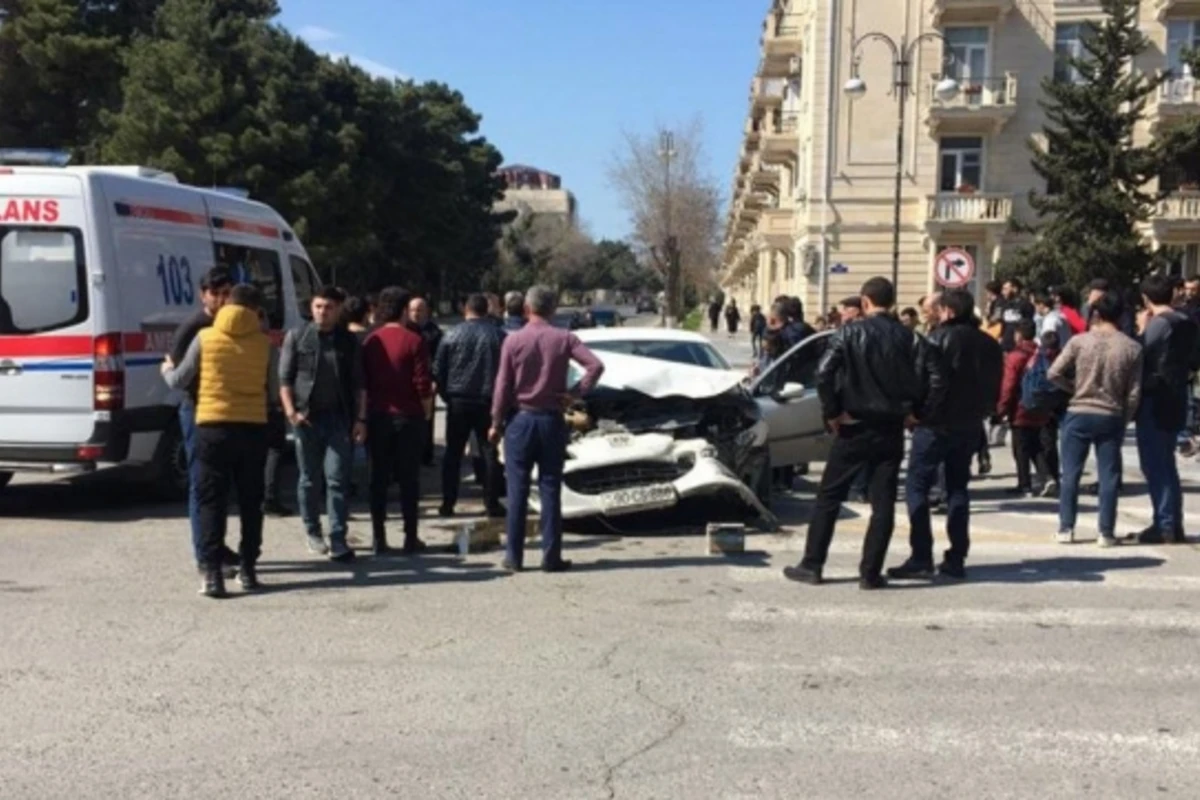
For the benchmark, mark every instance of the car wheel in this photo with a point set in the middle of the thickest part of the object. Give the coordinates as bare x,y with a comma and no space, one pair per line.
171,474
5,478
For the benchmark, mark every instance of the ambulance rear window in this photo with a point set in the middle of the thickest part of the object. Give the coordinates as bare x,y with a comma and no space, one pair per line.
42,279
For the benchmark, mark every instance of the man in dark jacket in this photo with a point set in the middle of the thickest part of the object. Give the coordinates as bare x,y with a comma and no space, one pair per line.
420,321
1169,340
947,435
465,374
875,375
514,311
321,386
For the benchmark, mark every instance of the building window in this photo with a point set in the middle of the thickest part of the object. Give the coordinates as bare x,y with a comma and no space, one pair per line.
1184,261
1183,35
1068,44
967,54
961,163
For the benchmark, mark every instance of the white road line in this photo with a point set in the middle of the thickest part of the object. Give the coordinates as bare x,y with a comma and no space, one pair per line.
982,669
906,617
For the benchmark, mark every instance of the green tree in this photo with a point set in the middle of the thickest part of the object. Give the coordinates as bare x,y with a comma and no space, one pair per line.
61,65
1095,176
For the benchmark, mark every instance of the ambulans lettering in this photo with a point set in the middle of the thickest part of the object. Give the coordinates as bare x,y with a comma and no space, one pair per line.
45,211
175,274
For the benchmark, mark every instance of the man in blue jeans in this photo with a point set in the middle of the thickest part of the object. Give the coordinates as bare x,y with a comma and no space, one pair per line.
1168,345
1102,371
321,387
946,437
528,402
215,287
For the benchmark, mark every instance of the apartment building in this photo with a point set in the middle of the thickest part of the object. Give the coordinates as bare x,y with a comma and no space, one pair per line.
814,190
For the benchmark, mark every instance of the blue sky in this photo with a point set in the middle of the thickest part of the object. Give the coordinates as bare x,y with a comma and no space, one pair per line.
557,81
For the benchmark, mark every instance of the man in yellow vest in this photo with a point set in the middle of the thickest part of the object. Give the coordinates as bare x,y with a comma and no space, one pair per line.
230,364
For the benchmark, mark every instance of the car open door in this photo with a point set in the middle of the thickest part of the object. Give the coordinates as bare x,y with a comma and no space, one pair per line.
787,395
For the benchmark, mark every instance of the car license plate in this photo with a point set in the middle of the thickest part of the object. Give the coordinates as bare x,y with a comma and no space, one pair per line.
619,440
639,498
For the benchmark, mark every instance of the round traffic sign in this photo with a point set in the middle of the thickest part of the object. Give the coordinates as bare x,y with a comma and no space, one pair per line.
953,268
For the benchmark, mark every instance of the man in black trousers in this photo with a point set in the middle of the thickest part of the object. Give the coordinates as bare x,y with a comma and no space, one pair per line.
875,376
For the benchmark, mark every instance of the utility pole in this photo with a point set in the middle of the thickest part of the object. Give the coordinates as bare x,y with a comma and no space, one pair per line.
674,293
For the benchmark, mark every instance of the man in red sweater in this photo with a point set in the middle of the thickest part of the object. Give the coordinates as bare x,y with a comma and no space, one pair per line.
399,384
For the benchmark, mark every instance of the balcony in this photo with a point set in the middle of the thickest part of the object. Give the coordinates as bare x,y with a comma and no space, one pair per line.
781,138
1177,99
1166,9
766,94
782,46
1179,212
980,107
953,211
766,176
776,226
962,12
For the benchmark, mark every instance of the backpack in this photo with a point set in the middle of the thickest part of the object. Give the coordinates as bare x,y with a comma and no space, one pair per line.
1038,394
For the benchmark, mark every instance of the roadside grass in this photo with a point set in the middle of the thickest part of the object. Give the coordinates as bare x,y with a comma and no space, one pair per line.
693,320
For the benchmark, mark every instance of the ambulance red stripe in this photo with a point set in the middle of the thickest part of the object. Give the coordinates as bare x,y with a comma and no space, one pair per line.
160,214
245,226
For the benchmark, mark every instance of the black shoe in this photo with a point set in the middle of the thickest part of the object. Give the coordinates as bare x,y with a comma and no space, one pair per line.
213,585
871,584
1151,535
414,546
509,566
1018,491
857,497
497,512
912,571
561,565
343,557
802,574
1179,537
985,465
248,578
446,511
380,548
274,508
952,569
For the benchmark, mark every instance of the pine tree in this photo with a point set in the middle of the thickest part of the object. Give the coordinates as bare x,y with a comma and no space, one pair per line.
1088,218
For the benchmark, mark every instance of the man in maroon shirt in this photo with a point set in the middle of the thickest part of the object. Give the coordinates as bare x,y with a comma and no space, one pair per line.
399,384
530,398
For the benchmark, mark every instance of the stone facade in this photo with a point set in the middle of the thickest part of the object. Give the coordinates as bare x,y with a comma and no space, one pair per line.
534,191
814,188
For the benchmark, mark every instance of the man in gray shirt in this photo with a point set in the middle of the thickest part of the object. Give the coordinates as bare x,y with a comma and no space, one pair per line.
1102,371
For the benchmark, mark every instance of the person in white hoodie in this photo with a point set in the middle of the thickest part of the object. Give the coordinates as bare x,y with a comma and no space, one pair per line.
1052,319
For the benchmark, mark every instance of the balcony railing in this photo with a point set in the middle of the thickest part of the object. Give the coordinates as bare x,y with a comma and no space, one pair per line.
1180,207
1174,92
942,12
979,93
980,208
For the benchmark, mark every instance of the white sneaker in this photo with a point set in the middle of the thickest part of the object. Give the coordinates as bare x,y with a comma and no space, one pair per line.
1107,541
1065,537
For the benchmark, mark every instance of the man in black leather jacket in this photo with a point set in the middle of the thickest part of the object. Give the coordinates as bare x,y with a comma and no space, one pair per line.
947,436
465,369
876,375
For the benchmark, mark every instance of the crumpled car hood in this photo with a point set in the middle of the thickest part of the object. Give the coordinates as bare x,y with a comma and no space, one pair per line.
659,379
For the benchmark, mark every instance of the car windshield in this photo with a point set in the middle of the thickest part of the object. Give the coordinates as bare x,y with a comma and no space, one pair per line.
604,317
42,279
696,354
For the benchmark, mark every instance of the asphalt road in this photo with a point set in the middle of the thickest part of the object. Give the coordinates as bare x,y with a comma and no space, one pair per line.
651,671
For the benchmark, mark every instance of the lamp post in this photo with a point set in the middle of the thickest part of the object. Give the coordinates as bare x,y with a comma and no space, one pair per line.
671,308
902,87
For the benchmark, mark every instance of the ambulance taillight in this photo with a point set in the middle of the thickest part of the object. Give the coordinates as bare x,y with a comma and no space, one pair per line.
108,355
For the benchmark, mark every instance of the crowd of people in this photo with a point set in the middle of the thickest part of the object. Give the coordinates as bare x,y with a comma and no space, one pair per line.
1061,378
364,372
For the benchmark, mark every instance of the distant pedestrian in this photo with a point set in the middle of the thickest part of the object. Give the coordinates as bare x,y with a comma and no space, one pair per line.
850,309
1013,307
398,379
874,376
732,318
527,410
356,316
514,311
465,371
911,319
215,287
1102,371
1169,340
714,314
1098,289
229,363
420,321
321,373
1051,319
277,443
758,330
1027,424
965,368
1066,302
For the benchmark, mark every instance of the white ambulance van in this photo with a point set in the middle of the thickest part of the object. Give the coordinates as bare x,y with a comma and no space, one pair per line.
98,265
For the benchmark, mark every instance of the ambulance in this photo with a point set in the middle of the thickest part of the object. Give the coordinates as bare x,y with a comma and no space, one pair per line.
98,265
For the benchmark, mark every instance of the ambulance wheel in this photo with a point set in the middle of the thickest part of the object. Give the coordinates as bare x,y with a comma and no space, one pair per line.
5,477
170,465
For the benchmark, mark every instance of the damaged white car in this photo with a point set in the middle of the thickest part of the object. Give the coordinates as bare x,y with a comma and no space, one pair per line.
658,445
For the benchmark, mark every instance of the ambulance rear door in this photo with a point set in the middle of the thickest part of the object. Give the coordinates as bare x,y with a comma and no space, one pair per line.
50,315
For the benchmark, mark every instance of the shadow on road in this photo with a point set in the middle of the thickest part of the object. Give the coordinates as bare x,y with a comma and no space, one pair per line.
374,572
751,558
109,496
1063,569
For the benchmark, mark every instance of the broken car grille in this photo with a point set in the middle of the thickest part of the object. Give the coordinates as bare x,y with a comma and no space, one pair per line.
623,476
